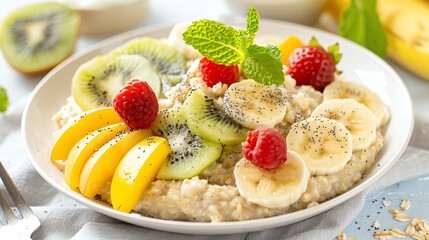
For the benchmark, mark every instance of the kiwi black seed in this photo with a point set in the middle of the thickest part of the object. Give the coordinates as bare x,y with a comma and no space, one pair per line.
168,61
98,80
206,119
35,38
190,154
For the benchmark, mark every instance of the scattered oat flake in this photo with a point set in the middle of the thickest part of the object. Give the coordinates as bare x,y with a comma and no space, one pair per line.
383,235
386,203
405,204
402,217
342,236
418,236
397,233
352,238
410,229
395,211
376,225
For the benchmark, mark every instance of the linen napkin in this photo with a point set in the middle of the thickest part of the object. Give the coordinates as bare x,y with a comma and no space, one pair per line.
63,218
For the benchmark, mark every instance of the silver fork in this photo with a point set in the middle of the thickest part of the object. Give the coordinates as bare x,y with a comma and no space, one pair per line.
16,228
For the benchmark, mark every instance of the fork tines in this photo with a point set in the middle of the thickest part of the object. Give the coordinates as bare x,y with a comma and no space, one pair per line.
18,228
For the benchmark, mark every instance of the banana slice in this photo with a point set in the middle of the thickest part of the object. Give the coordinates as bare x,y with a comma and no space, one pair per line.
324,144
276,188
255,105
357,118
175,39
343,89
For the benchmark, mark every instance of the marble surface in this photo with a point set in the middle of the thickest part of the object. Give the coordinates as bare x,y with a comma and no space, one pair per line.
163,11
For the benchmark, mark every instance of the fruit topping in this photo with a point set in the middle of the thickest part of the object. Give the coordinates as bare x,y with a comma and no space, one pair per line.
101,165
287,47
79,127
167,60
136,171
313,65
84,148
205,118
98,80
190,154
276,188
35,38
360,93
265,147
357,118
136,104
254,105
213,73
324,144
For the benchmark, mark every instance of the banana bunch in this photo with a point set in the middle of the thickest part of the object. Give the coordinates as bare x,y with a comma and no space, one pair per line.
406,24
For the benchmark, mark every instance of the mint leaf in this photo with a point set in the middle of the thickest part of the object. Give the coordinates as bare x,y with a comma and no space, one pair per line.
360,23
263,65
252,22
226,45
216,41
248,36
4,100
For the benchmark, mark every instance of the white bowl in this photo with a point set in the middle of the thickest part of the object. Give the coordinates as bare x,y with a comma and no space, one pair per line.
298,11
104,17
358,65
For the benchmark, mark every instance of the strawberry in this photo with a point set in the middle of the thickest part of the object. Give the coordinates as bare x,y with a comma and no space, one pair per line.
213,73
265,147
136,104
313,65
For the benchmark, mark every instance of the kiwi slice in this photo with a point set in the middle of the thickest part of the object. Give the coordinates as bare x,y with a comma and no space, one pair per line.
168,61
34,39
206,119
190,154
96,82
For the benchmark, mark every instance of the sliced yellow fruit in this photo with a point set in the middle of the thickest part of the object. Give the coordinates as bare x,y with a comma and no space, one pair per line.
84,148
137,171
78,128
101,166
287,47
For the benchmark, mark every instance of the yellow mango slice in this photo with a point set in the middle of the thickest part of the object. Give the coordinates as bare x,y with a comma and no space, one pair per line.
287,47
84,148
78,128
101,166
137,171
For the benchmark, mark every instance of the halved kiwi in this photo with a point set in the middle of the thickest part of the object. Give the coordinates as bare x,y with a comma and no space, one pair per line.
35,38
206,119
168,61
190,154
98,80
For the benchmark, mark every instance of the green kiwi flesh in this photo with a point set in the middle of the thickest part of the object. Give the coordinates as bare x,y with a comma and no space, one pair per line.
168,61
37,37
98,80
190,154
206,119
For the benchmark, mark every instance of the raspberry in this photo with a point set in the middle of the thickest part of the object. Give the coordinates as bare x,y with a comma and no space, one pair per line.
312,65
212,73
136,104
266,148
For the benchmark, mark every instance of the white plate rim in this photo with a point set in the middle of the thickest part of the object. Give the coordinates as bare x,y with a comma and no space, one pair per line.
222,227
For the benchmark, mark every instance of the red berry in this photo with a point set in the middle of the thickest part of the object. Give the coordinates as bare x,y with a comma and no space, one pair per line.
212,73
136,104
312,65
266,148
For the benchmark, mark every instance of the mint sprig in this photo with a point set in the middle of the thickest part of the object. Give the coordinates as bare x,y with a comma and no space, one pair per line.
361,24
226,45
4,100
